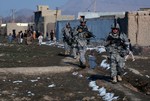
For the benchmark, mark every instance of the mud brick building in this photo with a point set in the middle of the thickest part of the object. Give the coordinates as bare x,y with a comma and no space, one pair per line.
138,27
45,18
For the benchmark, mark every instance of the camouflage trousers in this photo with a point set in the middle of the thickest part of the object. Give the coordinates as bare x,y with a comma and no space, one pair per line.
82,51
67,47
117,64
75,50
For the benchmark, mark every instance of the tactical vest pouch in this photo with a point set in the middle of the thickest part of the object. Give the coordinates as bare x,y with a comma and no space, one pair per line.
123,53
82,43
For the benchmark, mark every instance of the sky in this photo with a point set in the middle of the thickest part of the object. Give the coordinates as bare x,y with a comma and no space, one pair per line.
7,5
73,6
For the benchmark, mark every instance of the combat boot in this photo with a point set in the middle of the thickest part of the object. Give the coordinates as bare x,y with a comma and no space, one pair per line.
82,65
114,80
119,78
66,52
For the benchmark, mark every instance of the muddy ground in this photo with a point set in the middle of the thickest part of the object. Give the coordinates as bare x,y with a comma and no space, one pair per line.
44,73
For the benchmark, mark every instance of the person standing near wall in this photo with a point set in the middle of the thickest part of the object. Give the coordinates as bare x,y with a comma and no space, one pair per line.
34,35
130,52
29,37
117,47
21,37
40,38
14,34
52,35
25,36
10,38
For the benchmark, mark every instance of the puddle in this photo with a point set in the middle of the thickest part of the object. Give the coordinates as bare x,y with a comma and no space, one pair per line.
92,61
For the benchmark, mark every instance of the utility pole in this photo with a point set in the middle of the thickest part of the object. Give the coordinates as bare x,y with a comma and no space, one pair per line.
56,19
56,12
94,7
1,20
13,15
56,15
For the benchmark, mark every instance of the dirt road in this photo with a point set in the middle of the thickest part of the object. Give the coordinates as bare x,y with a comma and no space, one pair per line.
43,73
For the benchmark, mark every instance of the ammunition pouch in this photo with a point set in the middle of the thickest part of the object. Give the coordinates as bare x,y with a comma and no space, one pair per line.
123,53
67,40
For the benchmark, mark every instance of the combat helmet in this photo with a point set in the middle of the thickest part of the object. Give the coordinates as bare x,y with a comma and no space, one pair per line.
115,26
67,24
82,19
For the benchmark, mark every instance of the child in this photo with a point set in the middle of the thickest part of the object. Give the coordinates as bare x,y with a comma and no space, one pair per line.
40,38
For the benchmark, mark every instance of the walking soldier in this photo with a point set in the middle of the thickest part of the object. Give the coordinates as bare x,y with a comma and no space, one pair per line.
82,36
117,44
67,37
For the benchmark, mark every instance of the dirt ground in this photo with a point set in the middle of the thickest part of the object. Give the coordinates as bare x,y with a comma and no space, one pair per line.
44,73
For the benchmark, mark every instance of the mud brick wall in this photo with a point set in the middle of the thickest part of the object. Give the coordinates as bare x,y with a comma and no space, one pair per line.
139,27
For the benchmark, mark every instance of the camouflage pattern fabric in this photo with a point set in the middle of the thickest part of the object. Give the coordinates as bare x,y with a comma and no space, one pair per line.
117,47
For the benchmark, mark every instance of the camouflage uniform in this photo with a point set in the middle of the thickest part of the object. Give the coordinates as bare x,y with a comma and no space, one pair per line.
67,37
82,42
117,44
74,46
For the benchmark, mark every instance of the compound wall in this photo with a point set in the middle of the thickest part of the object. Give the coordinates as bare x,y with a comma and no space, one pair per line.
99,27
139,27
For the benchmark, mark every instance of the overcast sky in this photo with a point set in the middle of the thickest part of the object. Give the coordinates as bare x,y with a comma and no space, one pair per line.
71,6
7,5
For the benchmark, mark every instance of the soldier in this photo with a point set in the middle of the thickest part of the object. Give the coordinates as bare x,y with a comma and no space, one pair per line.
117,46
82,35
66,31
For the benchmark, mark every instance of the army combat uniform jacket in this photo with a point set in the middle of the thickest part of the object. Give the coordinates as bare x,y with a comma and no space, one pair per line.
117,44
117,49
